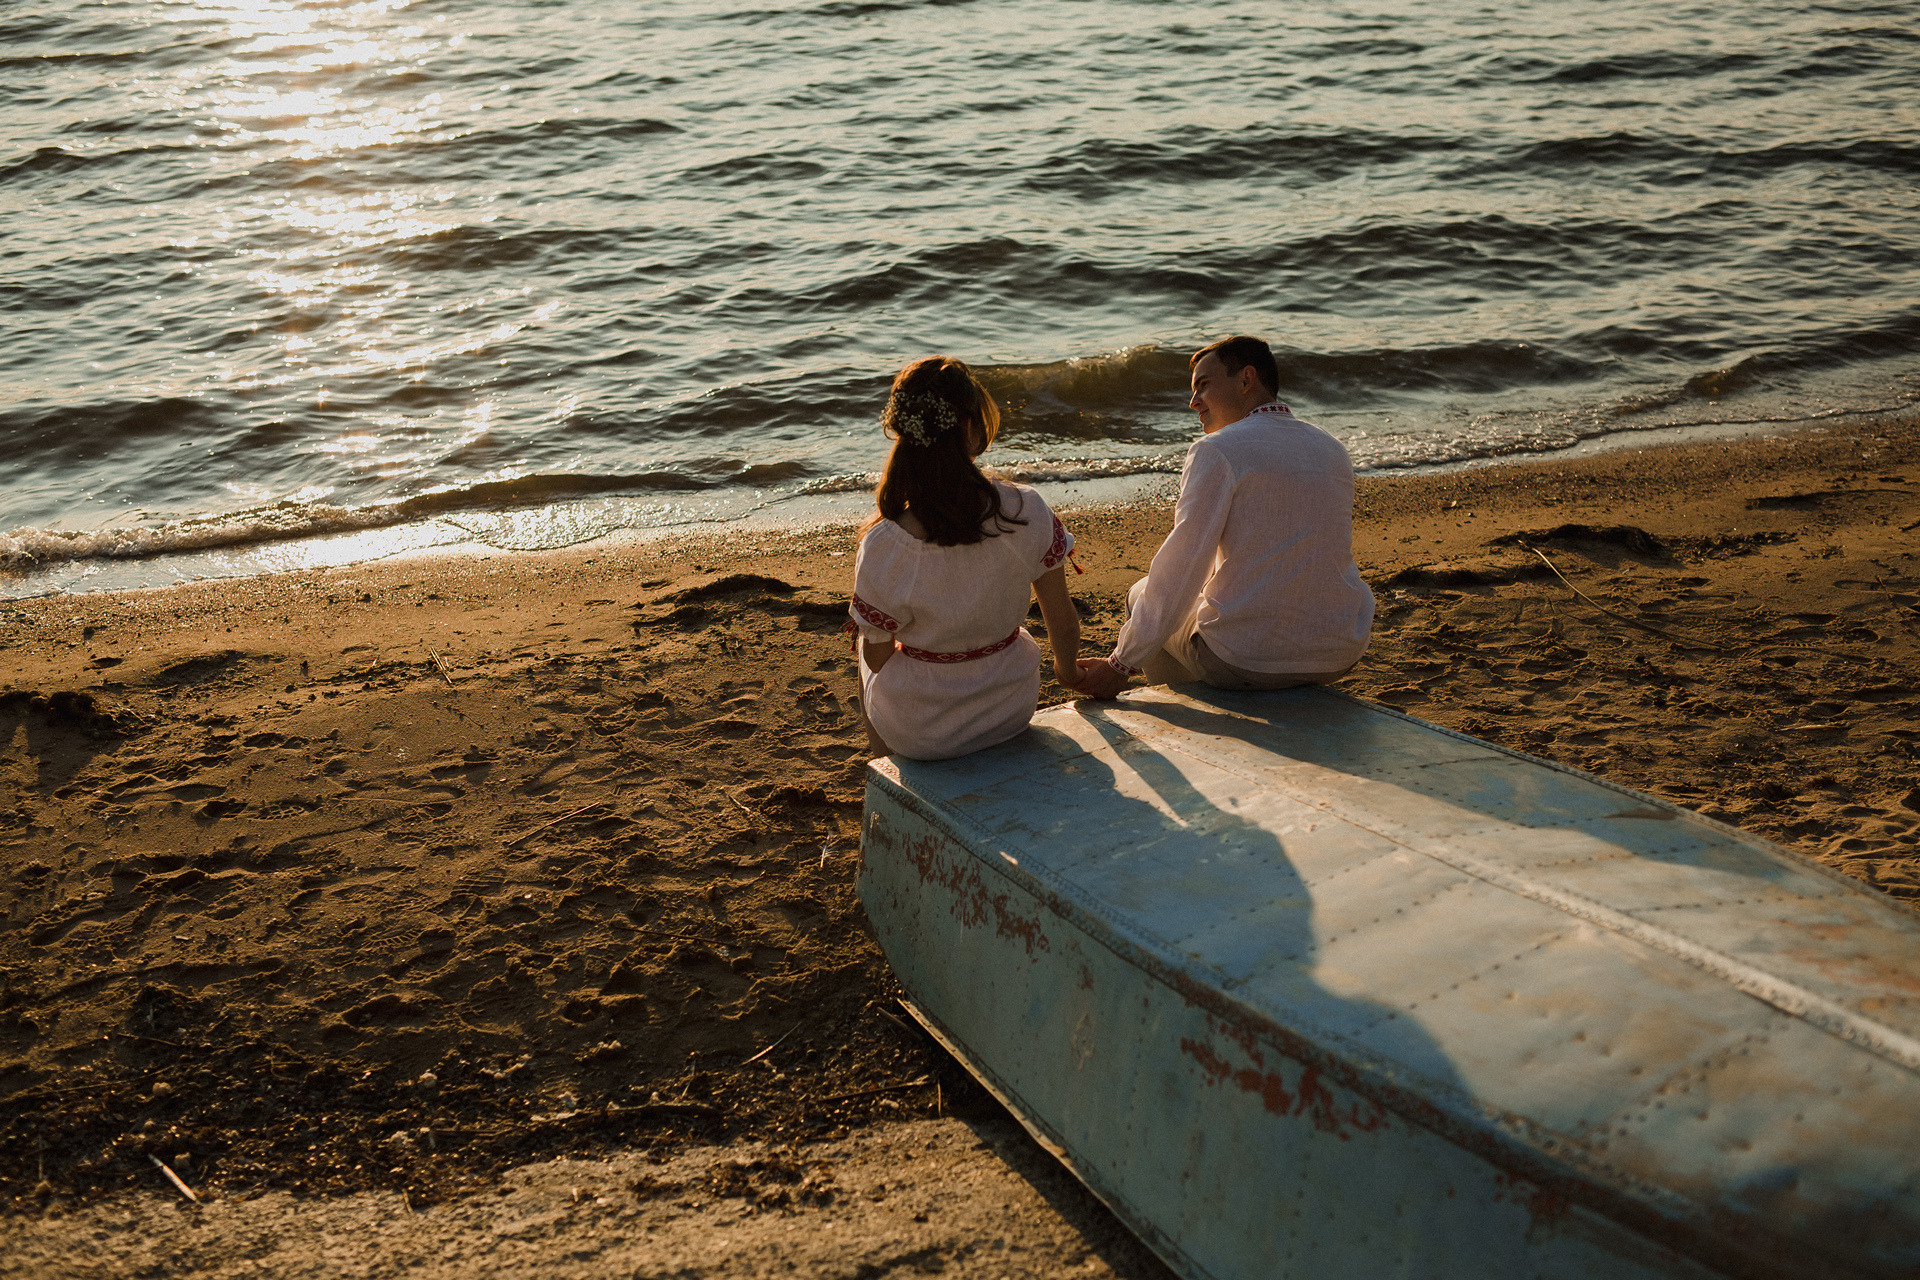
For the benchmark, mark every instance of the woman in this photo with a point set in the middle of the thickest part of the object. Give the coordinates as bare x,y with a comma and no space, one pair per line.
945,571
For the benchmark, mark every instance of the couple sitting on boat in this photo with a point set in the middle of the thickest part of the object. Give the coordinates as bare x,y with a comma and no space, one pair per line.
1255,587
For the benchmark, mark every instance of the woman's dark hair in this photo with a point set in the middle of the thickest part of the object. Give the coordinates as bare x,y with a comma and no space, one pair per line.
931,471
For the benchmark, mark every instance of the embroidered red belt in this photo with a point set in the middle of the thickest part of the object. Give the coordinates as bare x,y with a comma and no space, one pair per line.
927,655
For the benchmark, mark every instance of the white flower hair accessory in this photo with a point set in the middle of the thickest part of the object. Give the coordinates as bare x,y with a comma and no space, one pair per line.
919,417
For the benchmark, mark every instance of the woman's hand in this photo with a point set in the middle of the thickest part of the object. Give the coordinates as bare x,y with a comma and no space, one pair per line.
1100,678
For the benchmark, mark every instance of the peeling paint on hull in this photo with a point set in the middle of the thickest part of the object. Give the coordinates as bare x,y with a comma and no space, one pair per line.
1305,987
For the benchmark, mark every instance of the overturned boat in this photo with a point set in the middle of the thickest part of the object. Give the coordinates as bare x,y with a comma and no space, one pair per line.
1301,986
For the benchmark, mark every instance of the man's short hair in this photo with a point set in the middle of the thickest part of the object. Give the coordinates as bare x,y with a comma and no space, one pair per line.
1240,351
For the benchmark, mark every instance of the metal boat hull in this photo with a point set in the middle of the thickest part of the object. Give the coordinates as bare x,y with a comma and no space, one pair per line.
1224,981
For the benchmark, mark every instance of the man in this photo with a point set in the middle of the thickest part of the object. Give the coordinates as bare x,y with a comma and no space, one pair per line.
1256,587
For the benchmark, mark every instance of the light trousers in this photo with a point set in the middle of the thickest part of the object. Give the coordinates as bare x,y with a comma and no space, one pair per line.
1186,657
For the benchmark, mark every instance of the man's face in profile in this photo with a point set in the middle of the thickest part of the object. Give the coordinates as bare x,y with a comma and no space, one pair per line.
1219,397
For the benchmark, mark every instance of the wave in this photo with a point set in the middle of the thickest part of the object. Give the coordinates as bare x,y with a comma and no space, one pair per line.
483,247
1374,47
1671,159
1099,167
28,548
771,166
78,432
1845,51
540,148
62,59
830,10
1899,336
182,160
851,482
45,160
1154,379
1657,65
1062,471
565,143
1147,375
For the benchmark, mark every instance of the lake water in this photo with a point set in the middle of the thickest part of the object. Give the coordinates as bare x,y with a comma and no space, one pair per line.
528,271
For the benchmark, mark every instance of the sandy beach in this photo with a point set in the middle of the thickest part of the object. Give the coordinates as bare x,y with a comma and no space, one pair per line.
467,891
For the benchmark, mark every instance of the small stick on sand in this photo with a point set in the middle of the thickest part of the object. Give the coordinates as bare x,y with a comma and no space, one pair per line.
1689,640
736,800
868,1093
1664,635
894,1018
173,1177
770,1048
444,675
824,850
678,937
585,808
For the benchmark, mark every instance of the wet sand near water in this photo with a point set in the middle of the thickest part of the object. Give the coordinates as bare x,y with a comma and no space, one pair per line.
381,890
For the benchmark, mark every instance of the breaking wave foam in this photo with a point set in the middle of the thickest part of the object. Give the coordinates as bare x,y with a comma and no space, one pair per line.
30,548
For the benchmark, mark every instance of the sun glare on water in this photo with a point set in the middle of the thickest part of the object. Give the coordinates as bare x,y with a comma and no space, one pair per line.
333,103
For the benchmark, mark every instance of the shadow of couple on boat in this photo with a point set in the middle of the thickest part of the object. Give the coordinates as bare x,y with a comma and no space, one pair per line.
1218,872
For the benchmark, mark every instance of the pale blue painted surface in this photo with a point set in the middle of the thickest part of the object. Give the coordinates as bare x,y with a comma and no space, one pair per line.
1306,987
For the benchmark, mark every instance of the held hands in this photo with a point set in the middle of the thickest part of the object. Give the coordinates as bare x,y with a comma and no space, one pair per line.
1099,678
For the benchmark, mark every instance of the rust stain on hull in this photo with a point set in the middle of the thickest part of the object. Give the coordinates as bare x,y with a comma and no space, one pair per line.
1308,1097
958,873
1544,1205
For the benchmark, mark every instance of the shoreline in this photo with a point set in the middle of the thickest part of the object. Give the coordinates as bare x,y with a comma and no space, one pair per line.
565,524
533,857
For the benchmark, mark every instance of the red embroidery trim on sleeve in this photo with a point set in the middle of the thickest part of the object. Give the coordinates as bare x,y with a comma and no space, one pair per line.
874,617
1058,551
1118,665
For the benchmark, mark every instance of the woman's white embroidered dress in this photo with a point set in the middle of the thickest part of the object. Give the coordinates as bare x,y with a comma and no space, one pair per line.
944,602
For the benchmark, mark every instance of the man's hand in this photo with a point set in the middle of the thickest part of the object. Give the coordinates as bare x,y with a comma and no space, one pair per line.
1100,678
